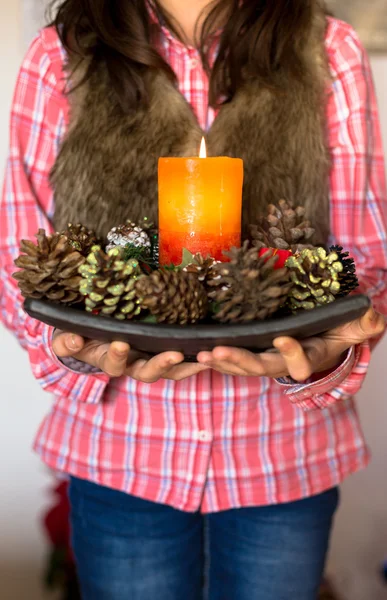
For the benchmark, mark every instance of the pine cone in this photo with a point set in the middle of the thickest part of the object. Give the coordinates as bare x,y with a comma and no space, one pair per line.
248,288
203,268
316,278
284,228
108,283
347,278
49,269
80,238
129,234
173,296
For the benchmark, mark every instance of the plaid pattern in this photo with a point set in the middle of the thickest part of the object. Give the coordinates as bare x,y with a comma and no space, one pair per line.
211,442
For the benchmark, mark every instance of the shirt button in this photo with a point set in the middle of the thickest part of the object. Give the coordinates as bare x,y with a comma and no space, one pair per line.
204,436
193,63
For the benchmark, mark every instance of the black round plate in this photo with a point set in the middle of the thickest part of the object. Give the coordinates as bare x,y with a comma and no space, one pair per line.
191,339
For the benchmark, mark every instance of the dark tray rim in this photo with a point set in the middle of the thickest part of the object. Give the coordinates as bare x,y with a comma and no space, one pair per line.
55,314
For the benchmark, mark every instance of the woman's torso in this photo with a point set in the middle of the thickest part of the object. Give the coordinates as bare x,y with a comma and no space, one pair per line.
213,441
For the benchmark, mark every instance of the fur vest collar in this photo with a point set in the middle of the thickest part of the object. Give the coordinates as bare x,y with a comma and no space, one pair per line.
106,169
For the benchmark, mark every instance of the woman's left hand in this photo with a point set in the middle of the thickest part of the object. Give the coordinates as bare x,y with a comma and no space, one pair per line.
297,359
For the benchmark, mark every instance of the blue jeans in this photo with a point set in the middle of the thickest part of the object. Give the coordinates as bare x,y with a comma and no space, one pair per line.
131,549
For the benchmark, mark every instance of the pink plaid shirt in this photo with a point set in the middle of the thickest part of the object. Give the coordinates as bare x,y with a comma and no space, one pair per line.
210,442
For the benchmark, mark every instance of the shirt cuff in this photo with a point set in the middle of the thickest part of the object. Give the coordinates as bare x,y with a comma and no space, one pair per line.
293,385
69,362
70,365
343,382
77,366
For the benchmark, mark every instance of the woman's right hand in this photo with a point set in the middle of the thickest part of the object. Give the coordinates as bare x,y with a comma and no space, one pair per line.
117,359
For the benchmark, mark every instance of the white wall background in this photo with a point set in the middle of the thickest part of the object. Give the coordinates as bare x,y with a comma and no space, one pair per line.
24,480
360,540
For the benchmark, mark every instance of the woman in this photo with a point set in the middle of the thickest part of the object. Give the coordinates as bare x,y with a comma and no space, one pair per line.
226,458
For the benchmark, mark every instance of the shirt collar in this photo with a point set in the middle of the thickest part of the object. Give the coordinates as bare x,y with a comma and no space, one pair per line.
156,20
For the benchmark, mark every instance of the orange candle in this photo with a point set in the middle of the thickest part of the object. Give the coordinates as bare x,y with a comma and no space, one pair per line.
200,206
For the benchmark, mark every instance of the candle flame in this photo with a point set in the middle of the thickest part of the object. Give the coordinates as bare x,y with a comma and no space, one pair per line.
203,149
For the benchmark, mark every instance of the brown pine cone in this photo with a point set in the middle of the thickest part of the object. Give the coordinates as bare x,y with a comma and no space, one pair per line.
80,238
284,227
248,288
108,284
203,268
173,296
49,269
315,274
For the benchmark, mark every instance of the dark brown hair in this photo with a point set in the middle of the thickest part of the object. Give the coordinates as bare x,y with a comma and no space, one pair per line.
259,36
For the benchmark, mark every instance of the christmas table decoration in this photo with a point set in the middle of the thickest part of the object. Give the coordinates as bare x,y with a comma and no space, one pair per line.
116,290
192,283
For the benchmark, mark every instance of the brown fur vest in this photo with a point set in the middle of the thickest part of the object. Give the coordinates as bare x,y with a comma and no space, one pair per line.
106,170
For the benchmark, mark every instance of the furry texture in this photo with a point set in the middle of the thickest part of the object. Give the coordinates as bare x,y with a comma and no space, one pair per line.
106,170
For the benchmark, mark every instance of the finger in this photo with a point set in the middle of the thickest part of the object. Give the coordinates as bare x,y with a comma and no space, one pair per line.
274,363
297,362
370,325
109,358
184,370
226,367
66,344
150,371
113,360
245,363
233,361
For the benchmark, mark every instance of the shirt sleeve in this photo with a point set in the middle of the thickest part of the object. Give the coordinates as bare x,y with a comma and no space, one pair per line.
358,204
27,205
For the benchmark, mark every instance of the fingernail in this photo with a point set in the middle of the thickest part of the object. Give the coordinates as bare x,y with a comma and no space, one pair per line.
285,347
120,349
173,361
121,352
72,342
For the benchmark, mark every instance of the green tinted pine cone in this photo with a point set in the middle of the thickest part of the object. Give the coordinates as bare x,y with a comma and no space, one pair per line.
347,278
315,274
108,284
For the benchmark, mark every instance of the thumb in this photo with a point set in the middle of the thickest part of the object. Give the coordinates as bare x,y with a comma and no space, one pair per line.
369,325
66,344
